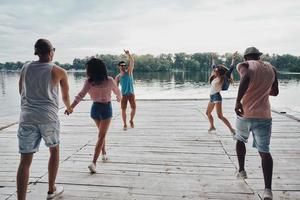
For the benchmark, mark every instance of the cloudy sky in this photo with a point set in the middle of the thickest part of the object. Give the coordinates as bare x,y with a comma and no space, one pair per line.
84,28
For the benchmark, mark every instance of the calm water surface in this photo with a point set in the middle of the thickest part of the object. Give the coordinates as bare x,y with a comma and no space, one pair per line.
166,85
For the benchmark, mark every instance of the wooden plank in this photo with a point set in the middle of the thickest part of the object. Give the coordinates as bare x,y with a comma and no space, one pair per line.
168,155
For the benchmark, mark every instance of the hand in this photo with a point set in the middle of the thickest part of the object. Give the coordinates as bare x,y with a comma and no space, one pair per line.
234,55
68,111
213,55
127,52
239,109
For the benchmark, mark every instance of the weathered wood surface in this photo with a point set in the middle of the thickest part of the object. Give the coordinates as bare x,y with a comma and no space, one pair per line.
168,155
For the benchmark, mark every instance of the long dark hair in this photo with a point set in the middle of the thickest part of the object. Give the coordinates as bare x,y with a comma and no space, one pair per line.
221,71
96,71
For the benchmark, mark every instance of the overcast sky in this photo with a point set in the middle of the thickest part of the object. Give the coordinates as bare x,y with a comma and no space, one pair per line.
84,28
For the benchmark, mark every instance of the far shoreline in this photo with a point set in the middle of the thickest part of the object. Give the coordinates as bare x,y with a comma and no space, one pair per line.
82,70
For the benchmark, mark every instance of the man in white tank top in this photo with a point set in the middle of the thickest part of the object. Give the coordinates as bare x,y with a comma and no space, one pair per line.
38,87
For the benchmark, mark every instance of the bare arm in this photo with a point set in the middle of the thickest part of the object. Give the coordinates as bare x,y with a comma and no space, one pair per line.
116,90
20,84
117,80
234,55
60,77
213,62
131,62
244,84
274,90
86,87
229,72
21,80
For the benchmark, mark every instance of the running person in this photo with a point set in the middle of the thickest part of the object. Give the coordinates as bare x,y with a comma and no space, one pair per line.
258,82
219,80
99,85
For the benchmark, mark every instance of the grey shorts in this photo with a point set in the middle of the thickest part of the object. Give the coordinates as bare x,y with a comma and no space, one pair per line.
261,130
30,135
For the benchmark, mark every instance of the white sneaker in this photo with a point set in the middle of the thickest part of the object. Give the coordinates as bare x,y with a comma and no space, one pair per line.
241,175
212,130
92,168
268,194
104,157
59,190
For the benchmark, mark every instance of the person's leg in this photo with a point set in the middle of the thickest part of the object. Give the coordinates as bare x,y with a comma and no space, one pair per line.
103,151
123,108
104,125
242,135
124,117
97,122
261,130
267,167
133,109
53,167
221,116
29,139
209,110
23,175
241,153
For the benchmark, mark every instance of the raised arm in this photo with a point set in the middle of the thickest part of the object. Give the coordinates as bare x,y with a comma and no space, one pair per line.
131,62
60,76
234,55
244,84
213,60
274,90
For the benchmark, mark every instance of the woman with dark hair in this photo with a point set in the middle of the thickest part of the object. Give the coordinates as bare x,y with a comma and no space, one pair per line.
220,79
99,86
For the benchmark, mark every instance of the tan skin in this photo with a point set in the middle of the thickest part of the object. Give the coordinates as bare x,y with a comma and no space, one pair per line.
59,77
102,126
123,70
218,105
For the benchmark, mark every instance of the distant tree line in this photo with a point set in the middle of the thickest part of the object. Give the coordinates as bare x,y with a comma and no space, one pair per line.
171,62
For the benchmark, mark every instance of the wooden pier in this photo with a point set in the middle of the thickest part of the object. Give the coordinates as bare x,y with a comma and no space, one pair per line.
169,155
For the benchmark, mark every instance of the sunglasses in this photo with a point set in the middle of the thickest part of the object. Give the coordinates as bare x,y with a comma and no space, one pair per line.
53,49
123,65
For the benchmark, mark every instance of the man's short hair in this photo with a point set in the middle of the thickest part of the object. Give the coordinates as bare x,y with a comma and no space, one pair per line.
42,47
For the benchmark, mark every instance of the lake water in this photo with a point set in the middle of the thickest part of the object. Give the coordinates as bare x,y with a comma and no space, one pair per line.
162,85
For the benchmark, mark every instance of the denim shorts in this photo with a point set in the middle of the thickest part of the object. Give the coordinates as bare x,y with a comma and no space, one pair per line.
30,135
214,98
101,111
261,130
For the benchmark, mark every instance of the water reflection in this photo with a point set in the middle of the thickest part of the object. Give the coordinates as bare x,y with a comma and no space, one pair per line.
2,82
155,85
